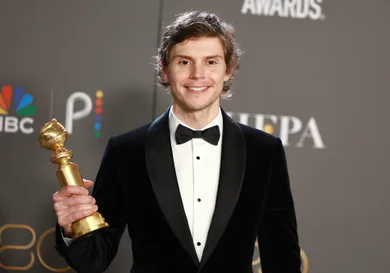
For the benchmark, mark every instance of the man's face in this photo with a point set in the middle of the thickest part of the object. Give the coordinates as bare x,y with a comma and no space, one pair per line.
196,72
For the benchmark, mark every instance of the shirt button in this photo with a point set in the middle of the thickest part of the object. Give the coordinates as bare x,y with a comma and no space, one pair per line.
199,200
198,243
197,157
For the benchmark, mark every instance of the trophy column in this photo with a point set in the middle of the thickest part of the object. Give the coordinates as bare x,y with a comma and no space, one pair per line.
52,136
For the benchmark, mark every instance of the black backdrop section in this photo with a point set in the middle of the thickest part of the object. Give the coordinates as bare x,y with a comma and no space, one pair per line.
314,73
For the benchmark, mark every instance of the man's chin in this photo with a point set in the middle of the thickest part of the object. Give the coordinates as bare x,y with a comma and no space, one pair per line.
198,107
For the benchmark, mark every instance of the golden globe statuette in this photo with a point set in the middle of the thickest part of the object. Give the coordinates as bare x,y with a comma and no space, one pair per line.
53,136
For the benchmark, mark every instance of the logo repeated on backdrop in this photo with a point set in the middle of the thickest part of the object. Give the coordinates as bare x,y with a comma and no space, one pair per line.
256,263
71,115
41,253
297,9
16,101
291,130
32,249
98,112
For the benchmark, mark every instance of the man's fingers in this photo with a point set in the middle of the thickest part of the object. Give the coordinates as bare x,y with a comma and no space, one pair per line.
56,197
81,207
70,190
87,183
78,199
62,206
70,218
73,203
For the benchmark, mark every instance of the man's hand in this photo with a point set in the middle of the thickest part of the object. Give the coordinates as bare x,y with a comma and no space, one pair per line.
73,203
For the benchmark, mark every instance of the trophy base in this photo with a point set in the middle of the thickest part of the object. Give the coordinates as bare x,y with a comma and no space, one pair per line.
88,224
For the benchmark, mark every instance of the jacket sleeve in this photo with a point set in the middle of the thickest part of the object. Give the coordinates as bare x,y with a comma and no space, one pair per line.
277,233
93,253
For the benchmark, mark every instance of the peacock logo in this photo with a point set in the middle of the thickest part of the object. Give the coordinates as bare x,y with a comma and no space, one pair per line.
16,101
72,115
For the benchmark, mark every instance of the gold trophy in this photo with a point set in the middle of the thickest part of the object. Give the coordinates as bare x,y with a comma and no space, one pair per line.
52,136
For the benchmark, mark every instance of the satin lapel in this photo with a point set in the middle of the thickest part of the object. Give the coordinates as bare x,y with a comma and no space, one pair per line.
159,161
230,180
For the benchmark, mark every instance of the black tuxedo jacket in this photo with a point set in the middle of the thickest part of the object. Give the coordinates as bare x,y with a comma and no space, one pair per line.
136,186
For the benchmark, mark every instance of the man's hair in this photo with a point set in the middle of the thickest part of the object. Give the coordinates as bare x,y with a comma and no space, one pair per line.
197,24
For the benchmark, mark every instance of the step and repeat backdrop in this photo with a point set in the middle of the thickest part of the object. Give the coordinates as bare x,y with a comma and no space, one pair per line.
314,73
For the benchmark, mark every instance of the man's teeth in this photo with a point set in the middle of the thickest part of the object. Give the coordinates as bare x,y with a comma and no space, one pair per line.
198,89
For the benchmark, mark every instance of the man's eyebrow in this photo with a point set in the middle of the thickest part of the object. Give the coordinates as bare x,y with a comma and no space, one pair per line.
216,56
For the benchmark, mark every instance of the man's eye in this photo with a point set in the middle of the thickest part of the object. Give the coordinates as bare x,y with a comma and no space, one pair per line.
212,62
184,62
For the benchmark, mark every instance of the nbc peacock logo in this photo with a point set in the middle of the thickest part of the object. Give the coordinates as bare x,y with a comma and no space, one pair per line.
14,101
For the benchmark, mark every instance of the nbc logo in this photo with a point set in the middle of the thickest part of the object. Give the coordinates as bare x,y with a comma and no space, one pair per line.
22,105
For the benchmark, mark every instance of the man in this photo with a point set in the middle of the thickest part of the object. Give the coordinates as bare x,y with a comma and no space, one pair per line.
194,188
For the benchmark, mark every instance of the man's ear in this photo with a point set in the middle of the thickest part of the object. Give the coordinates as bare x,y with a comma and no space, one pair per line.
164,74
227,76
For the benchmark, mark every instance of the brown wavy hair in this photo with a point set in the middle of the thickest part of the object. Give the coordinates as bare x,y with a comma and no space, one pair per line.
196,24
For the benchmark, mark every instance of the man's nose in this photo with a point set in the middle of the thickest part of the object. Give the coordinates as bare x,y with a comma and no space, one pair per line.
198,71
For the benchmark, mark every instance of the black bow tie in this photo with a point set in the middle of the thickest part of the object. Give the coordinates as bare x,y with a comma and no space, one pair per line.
184,134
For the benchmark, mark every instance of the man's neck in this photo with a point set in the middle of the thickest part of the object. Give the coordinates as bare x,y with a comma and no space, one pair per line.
196,119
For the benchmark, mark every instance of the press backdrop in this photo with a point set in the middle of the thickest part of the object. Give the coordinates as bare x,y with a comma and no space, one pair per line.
315,73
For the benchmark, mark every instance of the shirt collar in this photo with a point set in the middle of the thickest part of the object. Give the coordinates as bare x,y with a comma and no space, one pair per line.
174,121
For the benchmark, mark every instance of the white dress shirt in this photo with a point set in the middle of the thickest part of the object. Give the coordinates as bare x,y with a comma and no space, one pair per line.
197,164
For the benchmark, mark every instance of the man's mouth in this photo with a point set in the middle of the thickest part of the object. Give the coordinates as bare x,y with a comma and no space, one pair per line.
197,88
